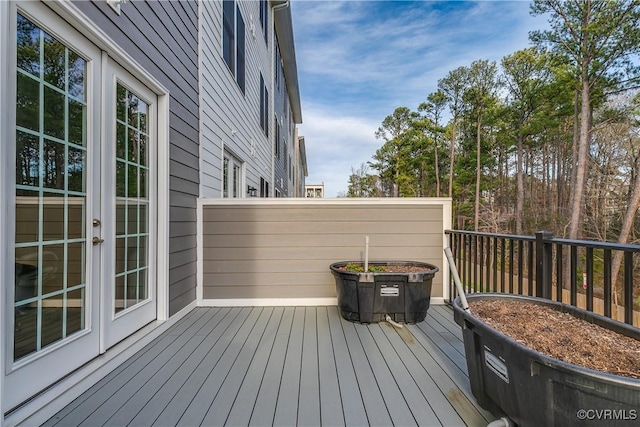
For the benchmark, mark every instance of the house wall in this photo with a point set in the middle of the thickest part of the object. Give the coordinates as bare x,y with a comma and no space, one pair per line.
299,165
231,119
283,249
281,172
163,38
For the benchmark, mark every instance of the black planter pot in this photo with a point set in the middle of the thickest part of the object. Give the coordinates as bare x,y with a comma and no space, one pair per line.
370,297
537,390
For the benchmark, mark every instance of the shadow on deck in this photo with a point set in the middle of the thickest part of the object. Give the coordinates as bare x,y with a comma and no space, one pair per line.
287,366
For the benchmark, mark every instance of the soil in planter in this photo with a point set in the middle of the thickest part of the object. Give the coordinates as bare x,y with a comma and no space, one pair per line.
391,268
562,336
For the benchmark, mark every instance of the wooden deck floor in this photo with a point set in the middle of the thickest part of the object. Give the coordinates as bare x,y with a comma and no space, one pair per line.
287,366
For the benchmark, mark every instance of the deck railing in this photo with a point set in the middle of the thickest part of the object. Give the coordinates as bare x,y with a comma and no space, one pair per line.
576,272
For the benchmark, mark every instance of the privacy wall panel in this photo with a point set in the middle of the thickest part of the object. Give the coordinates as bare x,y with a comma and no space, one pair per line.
271,249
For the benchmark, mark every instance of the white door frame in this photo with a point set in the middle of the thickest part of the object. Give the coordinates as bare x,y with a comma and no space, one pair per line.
7,115
70,353
117,326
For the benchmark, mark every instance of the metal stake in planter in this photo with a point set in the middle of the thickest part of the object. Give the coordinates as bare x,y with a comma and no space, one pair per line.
366,254
456,278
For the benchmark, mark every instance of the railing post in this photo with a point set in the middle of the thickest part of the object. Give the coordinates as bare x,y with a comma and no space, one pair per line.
544,258
628,287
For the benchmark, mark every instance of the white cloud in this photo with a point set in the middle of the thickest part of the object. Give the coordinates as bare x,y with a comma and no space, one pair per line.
334,144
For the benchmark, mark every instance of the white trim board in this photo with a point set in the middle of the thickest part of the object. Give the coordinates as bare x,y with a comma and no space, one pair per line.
199,252
268,302
283,302
7,92
441,201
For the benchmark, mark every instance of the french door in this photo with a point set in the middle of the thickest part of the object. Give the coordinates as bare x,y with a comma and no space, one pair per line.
129,219
84,217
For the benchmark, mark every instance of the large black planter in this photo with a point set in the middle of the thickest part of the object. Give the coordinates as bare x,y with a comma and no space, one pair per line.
370,297
537,390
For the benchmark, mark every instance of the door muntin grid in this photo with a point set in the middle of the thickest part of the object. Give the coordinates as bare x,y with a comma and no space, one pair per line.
132,200
51,198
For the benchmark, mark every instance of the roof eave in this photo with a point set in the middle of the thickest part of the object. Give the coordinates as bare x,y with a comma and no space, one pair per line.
284,30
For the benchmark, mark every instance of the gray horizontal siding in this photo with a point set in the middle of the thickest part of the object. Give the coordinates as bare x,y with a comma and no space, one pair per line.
268,250
163,38
230,119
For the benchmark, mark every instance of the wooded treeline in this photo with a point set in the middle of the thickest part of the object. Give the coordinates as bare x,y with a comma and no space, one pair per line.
549,138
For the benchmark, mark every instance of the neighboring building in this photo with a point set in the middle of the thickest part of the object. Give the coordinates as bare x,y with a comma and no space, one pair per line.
315,191
250,100
116,117
300,171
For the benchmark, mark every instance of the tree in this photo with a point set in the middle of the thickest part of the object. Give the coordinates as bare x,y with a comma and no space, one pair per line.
630,134
480,96
433,109
453,86
362,183
526,75
600,37
386,159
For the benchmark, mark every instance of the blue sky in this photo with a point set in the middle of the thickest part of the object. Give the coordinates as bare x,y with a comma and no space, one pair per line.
359,60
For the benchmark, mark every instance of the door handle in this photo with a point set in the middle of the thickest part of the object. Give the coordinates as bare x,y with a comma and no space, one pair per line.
96,240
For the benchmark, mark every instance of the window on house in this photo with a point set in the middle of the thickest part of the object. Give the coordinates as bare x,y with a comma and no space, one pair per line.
264,17
277,129
264,188
240,76
233,41
225,178
278,67
284,144
228,34
231,177
264,107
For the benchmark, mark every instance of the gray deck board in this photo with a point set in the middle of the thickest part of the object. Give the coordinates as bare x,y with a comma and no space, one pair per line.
396,404
115,389
226,395
374,404
445,345
208,392
426,379
444,316
330,401
172,413
287,404
82,407
240,414
309,398
438,324
148,414
265,403
130,410
287,366
408,388
352,404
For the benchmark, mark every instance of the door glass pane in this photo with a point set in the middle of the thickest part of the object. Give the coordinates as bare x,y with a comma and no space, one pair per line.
132,201
225,178
50,273
236,180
